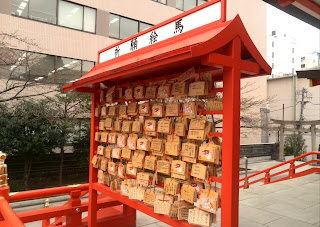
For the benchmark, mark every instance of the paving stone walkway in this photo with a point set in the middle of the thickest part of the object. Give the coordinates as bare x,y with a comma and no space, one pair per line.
290,203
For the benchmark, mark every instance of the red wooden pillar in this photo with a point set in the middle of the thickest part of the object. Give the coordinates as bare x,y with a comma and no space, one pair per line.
129,213
45,222
4,192
231,139
75,201
93,178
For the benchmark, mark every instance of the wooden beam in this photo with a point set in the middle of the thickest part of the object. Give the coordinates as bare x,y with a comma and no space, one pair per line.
85,90
249,67
316,122
306,130
216,60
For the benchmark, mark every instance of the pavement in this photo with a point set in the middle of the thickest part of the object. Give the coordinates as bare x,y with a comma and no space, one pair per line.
290,203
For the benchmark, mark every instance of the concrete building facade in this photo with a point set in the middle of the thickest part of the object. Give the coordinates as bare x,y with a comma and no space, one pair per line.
283,54
70,33
310,60
287,95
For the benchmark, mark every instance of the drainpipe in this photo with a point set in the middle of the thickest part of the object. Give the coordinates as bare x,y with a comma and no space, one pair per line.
294,88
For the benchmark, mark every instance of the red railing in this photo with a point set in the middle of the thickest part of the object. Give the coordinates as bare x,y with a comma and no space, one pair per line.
40,193
267,177
70,213
8,214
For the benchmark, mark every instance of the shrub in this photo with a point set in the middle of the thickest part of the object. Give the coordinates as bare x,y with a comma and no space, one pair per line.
294,145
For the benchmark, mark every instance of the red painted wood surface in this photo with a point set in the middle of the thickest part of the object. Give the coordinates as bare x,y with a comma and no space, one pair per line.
93,172
64,210
231,139
267,177
8,214
177,55
139,206
40,193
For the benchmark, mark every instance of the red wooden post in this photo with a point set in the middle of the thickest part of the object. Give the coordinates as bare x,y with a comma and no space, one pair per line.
231,139
4,192
45,222
292,169
57,221
8,214
129,213
267,177
75,219
93,178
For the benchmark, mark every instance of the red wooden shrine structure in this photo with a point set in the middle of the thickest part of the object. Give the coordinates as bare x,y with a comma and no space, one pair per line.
223,47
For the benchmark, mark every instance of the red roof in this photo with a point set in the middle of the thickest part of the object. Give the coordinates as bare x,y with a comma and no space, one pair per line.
176,55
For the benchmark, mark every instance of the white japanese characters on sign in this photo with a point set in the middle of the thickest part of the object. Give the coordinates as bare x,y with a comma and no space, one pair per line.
191,21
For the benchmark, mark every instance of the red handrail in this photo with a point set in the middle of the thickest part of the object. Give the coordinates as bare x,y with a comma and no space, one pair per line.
8,214
291,169
283,163
39,193
63,210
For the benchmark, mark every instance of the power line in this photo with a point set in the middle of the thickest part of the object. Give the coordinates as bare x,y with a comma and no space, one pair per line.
283,108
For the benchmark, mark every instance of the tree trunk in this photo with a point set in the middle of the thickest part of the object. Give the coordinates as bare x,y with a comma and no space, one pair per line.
61,165
27,170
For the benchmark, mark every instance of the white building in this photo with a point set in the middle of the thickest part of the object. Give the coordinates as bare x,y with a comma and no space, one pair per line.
310,60
283,54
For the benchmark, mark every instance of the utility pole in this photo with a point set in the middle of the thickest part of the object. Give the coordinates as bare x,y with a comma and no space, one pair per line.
294,89
303,103
304,96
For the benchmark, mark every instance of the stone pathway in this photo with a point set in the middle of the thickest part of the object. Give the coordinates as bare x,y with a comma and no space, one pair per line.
291,203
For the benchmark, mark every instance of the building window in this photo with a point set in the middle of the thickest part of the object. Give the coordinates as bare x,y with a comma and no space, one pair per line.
72,15
272,65
69,70
44,11
293,50
188,4
273,33
128,27
292,60
69,14
272,44
43,68
123,27
272,54
303,58
303,66
161,1
89,19
20,8
86,67
39,65
144,26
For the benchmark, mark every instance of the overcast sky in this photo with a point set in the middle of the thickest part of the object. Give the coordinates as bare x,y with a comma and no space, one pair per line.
307,36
